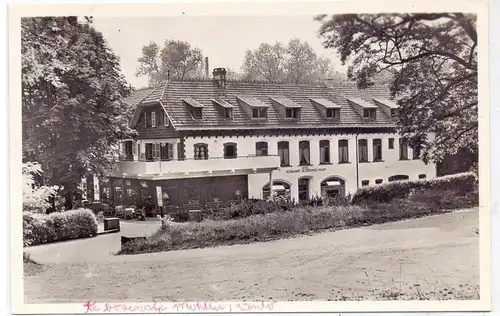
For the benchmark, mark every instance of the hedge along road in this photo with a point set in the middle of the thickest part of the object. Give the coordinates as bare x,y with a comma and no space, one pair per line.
435,257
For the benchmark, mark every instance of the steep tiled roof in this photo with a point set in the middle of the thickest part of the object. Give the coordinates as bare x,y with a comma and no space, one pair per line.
138,95
204,91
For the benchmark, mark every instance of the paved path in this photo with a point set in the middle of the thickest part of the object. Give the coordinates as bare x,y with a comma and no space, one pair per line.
436,255
96,249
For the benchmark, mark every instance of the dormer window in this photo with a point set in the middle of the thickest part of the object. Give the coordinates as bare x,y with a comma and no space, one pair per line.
253,107
364,108
197,113
332,113
225,108
388,106
327,108
195,108
259,113
293,113
287,107
370,113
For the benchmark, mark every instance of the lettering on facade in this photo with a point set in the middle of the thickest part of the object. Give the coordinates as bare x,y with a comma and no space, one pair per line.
305,169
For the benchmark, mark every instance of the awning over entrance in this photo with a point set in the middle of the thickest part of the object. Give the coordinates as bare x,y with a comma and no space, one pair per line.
278,188
332,183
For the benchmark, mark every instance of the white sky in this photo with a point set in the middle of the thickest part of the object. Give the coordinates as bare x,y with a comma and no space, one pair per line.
222,39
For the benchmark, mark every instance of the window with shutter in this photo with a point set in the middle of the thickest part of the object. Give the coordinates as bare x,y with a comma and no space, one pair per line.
153,119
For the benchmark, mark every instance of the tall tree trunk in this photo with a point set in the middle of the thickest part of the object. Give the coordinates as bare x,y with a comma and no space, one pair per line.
68,203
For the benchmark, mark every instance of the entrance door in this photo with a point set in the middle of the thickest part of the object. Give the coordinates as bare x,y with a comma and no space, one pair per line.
303,190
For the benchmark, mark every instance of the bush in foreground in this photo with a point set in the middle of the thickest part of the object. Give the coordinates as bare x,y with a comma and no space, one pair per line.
460,184
39,229
277,225
247,208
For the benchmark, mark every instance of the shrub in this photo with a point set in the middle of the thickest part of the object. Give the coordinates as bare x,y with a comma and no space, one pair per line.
247,208
263,227
38,229
35,198
461,184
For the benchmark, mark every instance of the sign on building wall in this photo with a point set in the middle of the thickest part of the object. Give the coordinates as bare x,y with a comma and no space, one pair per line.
96,189
159,195
305,169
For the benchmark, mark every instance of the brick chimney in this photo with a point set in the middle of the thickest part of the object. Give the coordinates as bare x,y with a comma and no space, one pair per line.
220,77
207,75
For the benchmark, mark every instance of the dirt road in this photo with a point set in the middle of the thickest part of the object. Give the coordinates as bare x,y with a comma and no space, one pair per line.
435,257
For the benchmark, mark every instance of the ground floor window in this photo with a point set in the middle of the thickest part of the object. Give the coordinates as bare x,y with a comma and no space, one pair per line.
332,188
280,188
303,190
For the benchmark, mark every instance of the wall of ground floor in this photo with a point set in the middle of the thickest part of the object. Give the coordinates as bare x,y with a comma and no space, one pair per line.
346,178
179,192
299,182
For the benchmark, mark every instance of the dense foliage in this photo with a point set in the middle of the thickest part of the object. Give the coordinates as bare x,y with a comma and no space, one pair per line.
247,208
264,220
39,229
296,62
73,109
35,197
176,59
461,184
433,59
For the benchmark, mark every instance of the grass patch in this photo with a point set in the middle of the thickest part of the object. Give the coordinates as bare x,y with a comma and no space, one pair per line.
271,226
256,221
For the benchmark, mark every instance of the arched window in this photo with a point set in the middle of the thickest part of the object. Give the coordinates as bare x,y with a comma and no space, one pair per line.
399,177
332,188
200,151
280,188
230,150
261,149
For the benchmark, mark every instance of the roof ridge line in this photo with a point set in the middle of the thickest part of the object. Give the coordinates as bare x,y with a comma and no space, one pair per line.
149,94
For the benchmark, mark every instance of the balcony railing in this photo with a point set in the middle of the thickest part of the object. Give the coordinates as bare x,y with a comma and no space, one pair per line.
212,164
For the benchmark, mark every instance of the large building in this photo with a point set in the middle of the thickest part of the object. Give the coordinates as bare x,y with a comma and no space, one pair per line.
212,141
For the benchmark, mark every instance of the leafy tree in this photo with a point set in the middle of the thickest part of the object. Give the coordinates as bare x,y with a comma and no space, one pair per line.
35,197
265,62
233,75
73,112
295,62
433,61
176,59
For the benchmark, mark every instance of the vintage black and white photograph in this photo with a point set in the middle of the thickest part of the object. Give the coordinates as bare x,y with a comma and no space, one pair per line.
255,159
